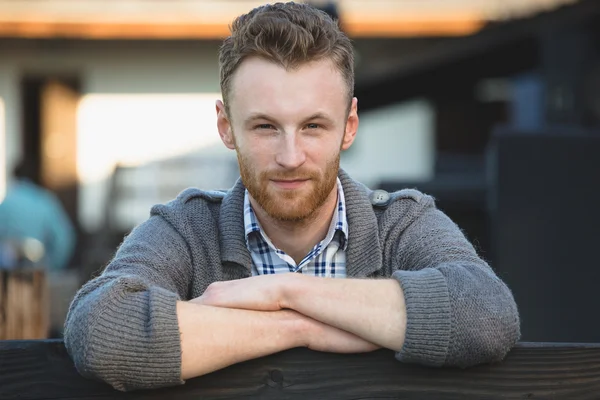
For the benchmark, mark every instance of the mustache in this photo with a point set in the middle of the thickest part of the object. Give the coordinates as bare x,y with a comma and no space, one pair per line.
297,175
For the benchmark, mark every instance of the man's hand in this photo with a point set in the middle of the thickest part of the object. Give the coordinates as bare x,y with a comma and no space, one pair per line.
259,293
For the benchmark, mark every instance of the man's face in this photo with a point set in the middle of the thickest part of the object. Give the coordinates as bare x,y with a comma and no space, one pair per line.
288,128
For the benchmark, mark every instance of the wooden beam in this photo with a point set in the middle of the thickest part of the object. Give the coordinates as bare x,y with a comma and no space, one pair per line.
209,19
48,29
42,370
107,30
413,27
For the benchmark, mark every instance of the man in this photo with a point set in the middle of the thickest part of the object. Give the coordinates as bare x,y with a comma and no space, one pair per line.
204,283
31,213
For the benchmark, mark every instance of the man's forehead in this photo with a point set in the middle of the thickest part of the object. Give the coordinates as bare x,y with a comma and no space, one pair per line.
259,85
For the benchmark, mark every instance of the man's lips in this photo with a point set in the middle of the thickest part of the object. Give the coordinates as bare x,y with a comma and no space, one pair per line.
289,183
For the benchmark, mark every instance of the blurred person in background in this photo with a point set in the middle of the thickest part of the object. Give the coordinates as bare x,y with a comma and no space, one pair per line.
297,253
34,228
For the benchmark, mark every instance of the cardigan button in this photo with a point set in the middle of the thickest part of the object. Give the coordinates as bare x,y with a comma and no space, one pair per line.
380,198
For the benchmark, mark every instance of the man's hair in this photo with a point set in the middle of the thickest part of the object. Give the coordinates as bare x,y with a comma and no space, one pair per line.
288,34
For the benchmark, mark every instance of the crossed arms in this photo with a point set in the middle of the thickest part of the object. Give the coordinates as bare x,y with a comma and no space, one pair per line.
238,320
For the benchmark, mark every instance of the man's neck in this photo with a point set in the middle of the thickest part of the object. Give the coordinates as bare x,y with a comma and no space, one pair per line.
297,239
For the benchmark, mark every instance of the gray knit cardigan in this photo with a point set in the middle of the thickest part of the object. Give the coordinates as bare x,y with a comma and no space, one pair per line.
122,326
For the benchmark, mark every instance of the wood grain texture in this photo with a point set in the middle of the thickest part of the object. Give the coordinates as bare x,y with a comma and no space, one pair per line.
24,309
43,370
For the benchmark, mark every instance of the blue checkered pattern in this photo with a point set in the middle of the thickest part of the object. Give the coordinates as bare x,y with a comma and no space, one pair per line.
326,259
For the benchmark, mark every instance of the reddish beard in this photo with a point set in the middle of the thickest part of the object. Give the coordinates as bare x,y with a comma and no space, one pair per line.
289,205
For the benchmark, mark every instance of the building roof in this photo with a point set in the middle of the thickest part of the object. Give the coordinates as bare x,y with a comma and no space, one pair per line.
209,19
500,49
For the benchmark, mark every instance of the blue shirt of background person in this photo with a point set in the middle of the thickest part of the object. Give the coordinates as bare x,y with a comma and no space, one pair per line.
30,211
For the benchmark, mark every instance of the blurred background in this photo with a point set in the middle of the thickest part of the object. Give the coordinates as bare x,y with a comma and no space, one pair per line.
491,106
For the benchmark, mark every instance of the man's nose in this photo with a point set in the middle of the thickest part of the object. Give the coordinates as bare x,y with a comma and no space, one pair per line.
290,154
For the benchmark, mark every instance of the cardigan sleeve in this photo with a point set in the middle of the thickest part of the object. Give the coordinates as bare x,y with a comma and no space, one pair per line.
459,312
122,326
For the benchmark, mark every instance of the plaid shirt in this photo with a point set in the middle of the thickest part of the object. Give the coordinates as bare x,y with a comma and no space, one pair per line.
326,259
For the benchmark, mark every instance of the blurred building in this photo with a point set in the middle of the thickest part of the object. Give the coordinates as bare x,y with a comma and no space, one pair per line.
535,73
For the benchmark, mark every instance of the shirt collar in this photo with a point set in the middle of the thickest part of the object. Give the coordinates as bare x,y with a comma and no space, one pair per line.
364,254
338,222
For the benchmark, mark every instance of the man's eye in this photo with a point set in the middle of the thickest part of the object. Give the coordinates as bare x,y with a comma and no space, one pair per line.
312,126
265,126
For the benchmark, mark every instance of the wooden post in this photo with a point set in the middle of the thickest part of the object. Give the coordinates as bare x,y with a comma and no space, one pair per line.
24,309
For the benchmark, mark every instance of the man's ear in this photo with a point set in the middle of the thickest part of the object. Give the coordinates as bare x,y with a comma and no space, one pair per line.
351,125
224,126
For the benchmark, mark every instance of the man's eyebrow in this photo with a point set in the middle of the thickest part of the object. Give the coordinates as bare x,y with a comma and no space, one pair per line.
319,115
255,116
261,116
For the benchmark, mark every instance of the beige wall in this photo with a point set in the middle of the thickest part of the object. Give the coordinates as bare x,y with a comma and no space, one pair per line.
395,142
122,68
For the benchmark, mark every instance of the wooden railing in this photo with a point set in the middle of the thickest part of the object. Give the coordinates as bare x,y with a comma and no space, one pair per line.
43,370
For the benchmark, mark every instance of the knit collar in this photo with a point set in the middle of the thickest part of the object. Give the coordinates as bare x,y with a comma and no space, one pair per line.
364,251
